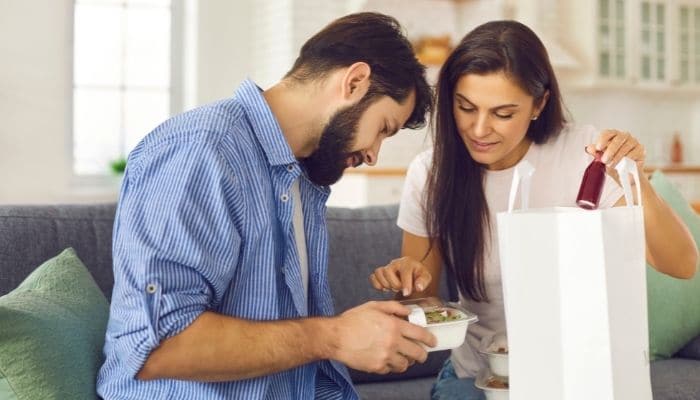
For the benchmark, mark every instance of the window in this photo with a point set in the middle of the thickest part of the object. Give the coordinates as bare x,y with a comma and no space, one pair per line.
121,77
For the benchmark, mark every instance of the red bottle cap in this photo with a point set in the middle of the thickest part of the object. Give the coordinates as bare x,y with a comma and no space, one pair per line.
598,156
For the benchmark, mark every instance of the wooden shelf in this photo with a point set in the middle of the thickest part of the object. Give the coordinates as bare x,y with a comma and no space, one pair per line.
372,171
675,169
397,171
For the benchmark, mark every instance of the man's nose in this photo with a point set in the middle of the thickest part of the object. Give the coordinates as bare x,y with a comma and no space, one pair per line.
372,155
370,158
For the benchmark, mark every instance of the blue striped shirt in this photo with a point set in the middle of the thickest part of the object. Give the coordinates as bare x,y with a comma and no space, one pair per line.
204,222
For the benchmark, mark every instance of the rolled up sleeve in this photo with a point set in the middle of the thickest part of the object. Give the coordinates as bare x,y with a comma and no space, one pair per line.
176,245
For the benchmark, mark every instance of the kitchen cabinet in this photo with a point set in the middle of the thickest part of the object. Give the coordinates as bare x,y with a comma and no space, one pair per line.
653,30
648,44
375,186
611,40
688,50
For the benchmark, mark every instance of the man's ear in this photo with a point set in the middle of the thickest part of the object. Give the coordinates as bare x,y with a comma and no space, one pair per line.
355,82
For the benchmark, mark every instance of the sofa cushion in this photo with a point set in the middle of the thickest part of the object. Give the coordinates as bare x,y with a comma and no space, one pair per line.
674,304
29,235
690,350
52,332
6,392
414,389
361,240
675,379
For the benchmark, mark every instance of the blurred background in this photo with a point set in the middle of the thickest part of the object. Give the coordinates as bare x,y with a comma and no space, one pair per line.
81,82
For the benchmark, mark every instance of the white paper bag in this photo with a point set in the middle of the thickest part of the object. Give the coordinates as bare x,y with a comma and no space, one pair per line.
574,286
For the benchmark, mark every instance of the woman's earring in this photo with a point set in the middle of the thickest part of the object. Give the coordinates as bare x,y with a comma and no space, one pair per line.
534,118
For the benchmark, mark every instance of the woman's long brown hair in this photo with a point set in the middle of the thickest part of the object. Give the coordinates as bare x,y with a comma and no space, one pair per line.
456,210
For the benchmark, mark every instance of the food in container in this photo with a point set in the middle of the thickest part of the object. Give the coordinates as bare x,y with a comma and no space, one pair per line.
447,321
494,387
496,383
495,348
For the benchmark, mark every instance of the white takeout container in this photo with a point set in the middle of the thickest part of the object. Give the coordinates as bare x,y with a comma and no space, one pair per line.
498,362
482,380
449,334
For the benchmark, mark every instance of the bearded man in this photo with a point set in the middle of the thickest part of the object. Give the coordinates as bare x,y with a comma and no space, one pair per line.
220,243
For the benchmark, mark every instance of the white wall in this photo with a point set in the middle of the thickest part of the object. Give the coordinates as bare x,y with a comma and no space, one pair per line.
280,28
35,73
651,118
692,150
224,46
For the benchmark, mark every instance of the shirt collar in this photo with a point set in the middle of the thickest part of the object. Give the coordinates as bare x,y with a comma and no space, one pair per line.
265,126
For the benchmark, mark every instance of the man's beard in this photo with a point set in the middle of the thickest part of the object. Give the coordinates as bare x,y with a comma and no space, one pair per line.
326,164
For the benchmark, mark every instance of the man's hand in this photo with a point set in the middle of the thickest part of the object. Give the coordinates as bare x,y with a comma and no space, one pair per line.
371,337
374,338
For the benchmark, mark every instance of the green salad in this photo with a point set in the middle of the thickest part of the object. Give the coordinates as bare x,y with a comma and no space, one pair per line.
443,314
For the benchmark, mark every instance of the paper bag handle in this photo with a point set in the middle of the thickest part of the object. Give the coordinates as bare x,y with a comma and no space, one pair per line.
625,167
523,173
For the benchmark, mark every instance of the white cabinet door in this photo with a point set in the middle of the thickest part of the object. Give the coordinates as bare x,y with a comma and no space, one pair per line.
687,50
612,48
653,39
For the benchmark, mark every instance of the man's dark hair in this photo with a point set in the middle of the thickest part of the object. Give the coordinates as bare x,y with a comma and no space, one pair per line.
377,40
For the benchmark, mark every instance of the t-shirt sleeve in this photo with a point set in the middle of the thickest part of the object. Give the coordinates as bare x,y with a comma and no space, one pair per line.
176,246
411,209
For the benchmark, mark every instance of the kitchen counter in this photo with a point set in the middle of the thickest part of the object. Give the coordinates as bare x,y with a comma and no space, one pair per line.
685,176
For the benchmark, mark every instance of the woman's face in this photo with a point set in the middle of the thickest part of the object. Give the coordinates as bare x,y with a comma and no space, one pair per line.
492,114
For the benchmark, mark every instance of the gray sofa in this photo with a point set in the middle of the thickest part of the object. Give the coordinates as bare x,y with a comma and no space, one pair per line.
360,240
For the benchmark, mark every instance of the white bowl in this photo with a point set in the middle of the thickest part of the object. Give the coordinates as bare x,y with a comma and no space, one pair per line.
498,360
498,364
482,380
449,334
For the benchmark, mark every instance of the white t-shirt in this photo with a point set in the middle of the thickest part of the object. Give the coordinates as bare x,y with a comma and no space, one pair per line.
559,167
300,236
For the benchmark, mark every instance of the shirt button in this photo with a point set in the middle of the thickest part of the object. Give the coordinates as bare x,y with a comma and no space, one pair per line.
284,197
290,167
151,288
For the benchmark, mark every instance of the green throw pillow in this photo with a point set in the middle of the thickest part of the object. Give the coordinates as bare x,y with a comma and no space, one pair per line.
674,304
52,329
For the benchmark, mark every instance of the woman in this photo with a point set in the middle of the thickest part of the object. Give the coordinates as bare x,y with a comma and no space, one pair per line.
498,103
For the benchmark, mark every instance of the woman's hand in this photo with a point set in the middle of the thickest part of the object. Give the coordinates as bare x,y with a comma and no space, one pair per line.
401,275
615,145
670,246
